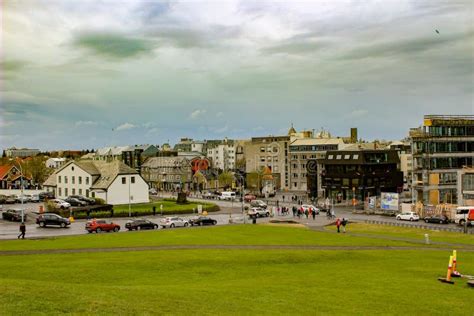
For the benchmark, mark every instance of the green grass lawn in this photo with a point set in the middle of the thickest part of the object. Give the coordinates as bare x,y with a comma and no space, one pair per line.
169,207
413,233
237,281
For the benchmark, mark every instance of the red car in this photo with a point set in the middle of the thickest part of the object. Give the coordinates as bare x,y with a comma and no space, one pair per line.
101,225
249,198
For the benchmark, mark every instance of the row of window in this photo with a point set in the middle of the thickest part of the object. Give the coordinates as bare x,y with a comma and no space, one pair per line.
313,148
73,192
73,180
355,182
124,180
346,157
443,147
450,130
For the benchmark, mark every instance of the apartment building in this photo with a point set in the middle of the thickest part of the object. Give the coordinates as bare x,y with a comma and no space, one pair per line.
14,152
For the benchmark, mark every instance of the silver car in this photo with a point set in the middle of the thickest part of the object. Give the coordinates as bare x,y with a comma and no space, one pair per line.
171,222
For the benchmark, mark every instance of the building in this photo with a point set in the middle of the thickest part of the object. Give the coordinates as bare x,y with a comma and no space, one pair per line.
167,173
406,162
114,182
185,144
443,146
21,152
358,174
465,189
11,178
222,154
303,150
272,152
55,163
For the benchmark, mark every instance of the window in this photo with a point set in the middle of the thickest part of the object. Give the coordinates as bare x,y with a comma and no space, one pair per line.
73,180
355,157
93,194
338,156
262,149
345,182
60,193
133,179
65,179
73,191
87,180
347,156
87,193
124,180
65,192
59,179
80,191
79,179
330,156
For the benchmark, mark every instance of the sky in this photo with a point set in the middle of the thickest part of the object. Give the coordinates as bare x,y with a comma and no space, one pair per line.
90,73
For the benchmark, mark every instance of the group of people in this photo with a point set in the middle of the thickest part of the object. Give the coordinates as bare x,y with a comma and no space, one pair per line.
341,223
300,212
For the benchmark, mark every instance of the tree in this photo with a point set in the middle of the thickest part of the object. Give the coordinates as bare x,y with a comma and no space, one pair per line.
255,180
225,179
36,169
4,155
240,164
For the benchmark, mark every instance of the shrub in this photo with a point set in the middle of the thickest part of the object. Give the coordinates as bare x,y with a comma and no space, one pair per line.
99,201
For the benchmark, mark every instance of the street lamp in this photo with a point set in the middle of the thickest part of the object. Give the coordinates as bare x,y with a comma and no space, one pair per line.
129,200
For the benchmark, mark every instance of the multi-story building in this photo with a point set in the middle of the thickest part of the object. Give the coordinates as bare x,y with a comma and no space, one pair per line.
168,173
222,154
441,147
21,152
55,163
465,183
303,150
114,182
348,174
406,162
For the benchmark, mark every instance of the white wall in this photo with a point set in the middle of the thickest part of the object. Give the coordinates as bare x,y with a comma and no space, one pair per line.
15,192
118,192
79,189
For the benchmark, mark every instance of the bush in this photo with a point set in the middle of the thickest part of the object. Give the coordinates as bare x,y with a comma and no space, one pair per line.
99,201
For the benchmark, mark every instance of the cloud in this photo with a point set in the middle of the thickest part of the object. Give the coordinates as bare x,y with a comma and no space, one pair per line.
153,131
358,113
222,129
86,123
124,126
197,114
219,114
116,45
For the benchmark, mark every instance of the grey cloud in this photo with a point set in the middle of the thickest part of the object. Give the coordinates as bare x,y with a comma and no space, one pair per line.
111,44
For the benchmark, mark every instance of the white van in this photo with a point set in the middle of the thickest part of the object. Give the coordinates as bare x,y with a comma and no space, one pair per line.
463,214
227,196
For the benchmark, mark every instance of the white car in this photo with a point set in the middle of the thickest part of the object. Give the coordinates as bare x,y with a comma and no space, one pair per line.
259,212
171,222
60,203
309,208
408,216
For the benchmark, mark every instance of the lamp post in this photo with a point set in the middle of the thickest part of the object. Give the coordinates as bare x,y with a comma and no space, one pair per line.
21,195
129,201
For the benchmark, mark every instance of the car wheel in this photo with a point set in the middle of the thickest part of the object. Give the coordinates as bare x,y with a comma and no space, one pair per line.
172,226
426,221
185,224
155,226
267,214
139,227
461,222
116,229
214,222
62,207
42,224
441,222
397,218
411,219
63,225
98,230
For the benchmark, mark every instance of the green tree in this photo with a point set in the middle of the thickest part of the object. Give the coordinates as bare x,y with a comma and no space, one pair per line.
225,179
255,180
36,169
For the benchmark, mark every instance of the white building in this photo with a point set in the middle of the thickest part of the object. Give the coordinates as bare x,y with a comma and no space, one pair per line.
55,163
21,152
222,156
114,182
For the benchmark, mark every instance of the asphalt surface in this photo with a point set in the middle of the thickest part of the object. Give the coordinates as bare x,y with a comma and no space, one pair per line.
230,213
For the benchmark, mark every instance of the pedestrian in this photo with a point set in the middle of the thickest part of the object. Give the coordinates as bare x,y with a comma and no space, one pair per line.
344,223
294,210
338,224
283,197
314,215
22,230
306,213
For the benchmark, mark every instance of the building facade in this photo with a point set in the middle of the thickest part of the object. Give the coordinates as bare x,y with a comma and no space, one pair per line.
168,173
443,146
222,154
465,189
21,152
348,174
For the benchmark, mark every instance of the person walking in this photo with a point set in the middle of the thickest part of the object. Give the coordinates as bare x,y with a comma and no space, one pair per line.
338,225
344,223
294,210
22,230
314,215
306,213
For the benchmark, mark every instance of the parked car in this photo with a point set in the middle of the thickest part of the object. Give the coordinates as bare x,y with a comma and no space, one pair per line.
258,212
60,204
138,224
153,191
227,196
249,198
19,198
258,203
14,215
11,199
34,198
89,201
46,196
75,202
101,225
209,196
310,208
408,216
173,222
3,199
438,219
202,220
48,219
464,214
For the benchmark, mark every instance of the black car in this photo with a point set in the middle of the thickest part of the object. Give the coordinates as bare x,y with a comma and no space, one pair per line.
3,199
75,202
46,196
11,199
89,201
48,219
138,224
438,219
13,215
201,221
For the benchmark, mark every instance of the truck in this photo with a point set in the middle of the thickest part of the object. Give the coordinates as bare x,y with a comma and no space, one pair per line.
464,214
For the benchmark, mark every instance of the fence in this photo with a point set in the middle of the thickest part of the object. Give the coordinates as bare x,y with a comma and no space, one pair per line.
420,226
